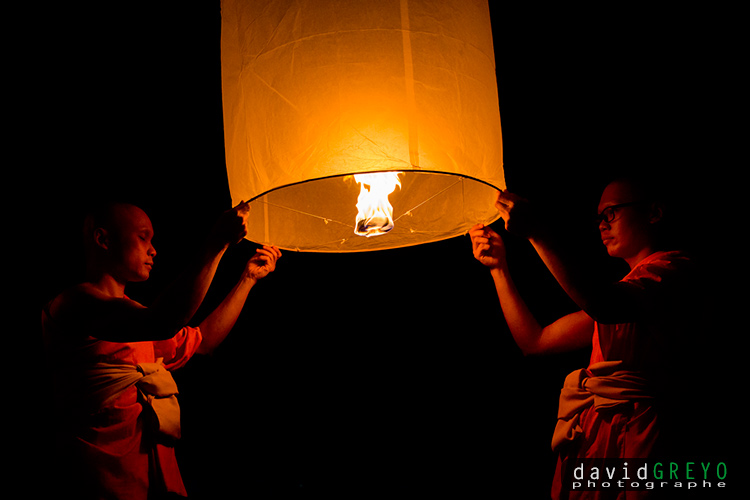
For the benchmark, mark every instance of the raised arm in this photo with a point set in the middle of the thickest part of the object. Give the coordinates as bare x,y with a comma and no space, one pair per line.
174,308
217,325
90,310
603,301
568,333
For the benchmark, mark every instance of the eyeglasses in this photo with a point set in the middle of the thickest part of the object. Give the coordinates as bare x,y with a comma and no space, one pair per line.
609,214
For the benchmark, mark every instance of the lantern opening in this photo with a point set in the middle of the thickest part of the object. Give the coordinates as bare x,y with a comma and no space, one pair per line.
374,211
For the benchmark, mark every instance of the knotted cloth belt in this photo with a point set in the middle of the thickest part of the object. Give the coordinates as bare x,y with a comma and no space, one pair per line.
600,386
157,388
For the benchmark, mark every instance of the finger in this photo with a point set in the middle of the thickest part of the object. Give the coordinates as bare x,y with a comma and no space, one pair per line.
274,250
268,262
477,242
490,233
503,206
482,249
494,241
243,208
476,233
483,257
240,232
264,255
506,196
503,197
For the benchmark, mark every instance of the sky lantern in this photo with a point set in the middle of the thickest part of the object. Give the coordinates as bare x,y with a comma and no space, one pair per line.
359,125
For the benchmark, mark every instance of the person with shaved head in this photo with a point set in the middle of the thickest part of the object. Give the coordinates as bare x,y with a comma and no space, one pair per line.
116,412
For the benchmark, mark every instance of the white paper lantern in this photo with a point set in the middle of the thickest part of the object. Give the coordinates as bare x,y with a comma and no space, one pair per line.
316,91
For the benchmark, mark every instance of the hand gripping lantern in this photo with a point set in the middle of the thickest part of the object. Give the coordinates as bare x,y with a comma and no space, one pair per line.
328,104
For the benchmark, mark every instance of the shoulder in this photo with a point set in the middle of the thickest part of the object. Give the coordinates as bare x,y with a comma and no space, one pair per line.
670,259
84,300
661,264
672,271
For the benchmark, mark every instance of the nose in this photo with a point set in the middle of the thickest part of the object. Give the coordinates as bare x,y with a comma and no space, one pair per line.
151,251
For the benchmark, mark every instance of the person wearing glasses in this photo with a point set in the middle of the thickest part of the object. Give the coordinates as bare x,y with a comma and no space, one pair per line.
637,328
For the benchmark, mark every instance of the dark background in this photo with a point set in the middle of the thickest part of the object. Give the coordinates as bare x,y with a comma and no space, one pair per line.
411,382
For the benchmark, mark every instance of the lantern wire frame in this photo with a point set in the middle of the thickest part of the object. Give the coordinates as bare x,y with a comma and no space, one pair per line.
326,206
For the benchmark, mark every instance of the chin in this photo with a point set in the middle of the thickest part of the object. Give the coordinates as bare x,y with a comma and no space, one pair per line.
140,277
612,251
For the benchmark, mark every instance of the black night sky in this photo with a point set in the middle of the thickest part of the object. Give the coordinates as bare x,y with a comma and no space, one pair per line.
410,383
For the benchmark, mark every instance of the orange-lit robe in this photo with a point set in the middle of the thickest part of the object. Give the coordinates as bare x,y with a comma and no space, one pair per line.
110,447
619,411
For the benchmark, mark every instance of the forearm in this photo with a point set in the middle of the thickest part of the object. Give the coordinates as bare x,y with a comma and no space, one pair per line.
572,331
217,325
563,270
525,329
179,302
605,302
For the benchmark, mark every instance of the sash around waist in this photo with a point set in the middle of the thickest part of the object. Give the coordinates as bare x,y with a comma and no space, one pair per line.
602,385
155,384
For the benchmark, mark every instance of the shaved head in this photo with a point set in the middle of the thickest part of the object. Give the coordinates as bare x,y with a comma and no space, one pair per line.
117,240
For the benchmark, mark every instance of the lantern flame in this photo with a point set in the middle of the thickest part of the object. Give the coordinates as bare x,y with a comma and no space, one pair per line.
374,211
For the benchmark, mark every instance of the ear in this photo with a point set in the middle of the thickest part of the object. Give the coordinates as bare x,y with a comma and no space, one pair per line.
101,238
656,213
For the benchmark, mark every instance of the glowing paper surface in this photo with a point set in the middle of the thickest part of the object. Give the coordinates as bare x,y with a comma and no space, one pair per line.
316,90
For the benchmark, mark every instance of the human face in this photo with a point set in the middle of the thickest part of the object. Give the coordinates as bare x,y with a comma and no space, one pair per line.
132,251
627,236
